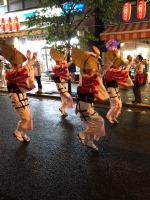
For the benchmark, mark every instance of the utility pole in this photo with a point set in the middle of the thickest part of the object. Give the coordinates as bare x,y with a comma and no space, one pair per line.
69,80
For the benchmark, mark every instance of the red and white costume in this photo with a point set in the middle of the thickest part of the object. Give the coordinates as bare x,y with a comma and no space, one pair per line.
114,79
60,77
19,81
91,88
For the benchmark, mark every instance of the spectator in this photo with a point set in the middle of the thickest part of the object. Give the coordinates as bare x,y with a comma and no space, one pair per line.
139,67
37,74
72,70
71,67
144,62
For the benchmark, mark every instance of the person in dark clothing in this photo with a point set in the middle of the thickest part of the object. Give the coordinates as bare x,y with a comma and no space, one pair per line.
72,70
71,67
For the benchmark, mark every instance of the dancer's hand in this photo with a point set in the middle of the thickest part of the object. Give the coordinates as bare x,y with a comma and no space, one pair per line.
96,50
28,54
34,55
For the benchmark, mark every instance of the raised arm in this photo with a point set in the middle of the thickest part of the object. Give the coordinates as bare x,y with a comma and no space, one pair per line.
106,67
128,66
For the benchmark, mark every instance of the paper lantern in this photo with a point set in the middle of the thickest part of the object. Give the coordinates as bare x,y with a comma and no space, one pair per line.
3,24
10,24
126,11
16,23
141,9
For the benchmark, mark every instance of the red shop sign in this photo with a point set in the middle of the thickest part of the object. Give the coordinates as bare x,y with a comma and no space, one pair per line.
3,24
126,11
141,9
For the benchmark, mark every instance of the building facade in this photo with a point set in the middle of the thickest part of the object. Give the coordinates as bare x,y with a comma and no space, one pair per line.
18,34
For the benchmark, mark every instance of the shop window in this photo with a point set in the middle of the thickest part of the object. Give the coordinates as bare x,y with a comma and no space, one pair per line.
3,6
31,4
15,5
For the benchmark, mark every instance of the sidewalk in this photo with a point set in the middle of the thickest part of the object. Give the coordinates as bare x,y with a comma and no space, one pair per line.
50,91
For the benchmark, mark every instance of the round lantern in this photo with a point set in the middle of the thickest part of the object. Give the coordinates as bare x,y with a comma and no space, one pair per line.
16,24
10,24
3,24
112,45
126,11
141,9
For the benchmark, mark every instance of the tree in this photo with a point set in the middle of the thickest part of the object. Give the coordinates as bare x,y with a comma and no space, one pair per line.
64,25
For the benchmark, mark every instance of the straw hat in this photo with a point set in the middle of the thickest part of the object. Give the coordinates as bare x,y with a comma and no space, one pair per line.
56,55
118,62
83,59
11,54
91,53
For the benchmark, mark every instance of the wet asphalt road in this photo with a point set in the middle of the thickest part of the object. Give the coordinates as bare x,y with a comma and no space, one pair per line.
55,166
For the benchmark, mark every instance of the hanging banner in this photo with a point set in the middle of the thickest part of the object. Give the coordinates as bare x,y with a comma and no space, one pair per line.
10,24
3,24
141,9
126,11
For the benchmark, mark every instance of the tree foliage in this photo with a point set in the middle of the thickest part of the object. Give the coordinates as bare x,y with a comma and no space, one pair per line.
63,27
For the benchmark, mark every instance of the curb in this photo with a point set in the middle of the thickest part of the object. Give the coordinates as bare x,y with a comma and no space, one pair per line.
96,103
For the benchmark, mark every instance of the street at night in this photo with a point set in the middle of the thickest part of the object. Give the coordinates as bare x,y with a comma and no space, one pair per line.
56,166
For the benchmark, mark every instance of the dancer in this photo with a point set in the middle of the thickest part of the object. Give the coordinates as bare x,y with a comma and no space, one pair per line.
60,71
18,83
114,78
91,88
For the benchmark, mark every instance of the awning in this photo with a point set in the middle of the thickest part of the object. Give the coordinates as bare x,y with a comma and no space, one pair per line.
126,31
22,33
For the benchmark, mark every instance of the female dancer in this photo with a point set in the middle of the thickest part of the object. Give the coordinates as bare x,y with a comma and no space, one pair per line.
18,83
114,78
91,88
60,71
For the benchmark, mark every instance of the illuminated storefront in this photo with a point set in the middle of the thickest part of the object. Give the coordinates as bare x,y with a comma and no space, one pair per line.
14,31
133,34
